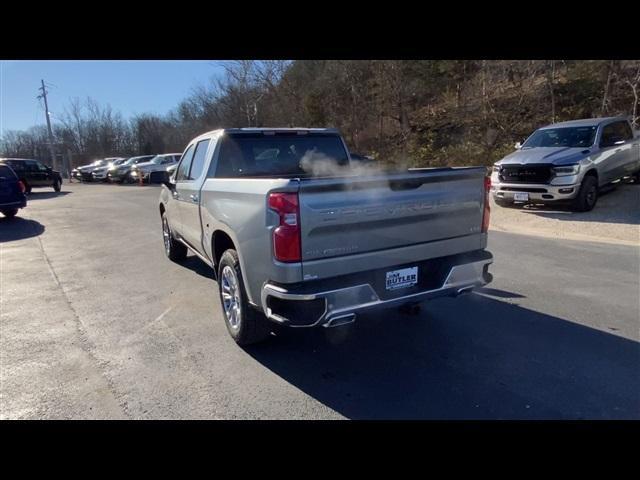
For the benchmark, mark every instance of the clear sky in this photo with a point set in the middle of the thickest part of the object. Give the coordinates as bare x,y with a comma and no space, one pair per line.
130,87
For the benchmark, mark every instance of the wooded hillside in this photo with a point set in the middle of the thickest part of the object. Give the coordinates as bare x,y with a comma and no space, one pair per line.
422,113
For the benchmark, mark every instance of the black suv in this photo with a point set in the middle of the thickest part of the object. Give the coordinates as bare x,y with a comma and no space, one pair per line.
11,192
32,173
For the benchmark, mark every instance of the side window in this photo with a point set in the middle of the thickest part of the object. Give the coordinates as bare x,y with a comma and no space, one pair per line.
6,172
625,131
185,165
41,167
199,159
31,166
16,166
616,132
608,132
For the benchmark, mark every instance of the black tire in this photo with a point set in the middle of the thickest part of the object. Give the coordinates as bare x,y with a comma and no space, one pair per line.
248,326
176,251
57,185
587,195
27,187
10,213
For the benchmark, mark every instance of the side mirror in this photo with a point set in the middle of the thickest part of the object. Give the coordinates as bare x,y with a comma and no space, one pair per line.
518,145
168,182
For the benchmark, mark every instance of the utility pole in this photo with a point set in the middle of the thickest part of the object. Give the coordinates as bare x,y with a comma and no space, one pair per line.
46,111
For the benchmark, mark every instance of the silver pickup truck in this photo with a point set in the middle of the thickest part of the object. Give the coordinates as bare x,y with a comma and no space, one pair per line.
299,235
568,163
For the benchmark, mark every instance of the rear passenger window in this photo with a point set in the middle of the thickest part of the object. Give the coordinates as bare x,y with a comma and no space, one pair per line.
16,166
625,131
615,132
31,166
6,172
199,159
185,165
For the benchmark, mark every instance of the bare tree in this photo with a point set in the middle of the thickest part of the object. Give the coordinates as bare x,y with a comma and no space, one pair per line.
633,84
605,94
243,89
551,75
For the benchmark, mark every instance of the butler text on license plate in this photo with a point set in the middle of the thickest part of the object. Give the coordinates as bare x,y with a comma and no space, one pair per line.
406,277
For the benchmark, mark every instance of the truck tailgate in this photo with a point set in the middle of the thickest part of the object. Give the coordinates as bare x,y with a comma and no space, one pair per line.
347,216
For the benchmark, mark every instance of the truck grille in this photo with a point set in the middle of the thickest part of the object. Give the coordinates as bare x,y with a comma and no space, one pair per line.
525,173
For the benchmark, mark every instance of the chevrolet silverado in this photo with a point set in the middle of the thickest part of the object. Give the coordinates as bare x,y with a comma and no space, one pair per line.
301,235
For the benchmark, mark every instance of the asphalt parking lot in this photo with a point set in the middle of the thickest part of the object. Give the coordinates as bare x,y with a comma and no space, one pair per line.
97,323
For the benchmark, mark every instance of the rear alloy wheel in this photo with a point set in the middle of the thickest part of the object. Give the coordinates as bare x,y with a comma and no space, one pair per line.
10,213
245,324
587,195
175,250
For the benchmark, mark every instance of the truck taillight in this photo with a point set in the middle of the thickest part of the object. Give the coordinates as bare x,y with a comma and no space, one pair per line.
486,213
286,236
21,186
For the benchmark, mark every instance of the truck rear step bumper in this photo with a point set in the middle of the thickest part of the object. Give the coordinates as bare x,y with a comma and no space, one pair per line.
337,306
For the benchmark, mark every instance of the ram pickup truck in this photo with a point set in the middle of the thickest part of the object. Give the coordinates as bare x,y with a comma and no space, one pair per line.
568,163
298,236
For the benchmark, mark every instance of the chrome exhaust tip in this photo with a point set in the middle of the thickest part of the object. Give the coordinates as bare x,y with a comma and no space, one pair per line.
341,320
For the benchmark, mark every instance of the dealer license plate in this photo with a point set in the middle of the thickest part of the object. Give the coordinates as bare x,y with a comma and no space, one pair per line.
403,278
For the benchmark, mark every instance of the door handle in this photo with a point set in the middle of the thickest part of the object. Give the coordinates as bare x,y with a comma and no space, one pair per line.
194,197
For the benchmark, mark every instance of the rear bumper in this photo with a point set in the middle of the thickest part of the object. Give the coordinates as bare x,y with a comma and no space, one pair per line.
16,204
541,193
324,306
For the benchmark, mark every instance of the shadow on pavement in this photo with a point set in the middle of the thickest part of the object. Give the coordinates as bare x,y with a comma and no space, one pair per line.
193,263
615,205
467,358
18,228
494,292
35,195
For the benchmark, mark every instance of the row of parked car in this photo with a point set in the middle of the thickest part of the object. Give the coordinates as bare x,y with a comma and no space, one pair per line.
127,170
18,176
